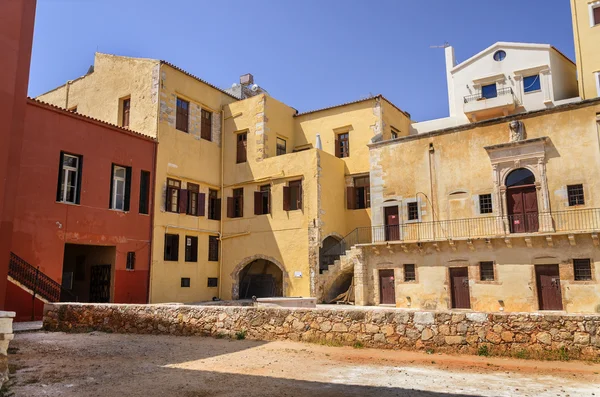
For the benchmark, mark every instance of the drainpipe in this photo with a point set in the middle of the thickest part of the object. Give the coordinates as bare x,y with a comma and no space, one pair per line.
220,291
69,82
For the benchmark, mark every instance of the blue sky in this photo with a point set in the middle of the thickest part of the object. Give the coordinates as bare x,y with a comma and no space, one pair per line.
307,54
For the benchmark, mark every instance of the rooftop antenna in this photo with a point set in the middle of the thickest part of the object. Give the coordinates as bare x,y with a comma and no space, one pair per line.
446,44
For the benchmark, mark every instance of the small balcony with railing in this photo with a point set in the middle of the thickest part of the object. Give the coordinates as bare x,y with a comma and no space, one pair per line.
490,103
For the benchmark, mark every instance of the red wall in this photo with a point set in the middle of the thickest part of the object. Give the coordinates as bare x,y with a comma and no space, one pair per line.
16,35
20,302
42,226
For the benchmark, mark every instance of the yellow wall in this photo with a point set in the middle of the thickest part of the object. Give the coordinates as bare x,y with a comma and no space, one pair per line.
586,48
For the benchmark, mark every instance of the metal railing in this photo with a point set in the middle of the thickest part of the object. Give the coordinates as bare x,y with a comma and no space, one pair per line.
38,282
479,96
583,220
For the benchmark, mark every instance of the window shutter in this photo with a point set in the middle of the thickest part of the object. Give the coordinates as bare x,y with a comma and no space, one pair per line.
300,196
176,247
351,197
338,152
183,201
127,188
112,183
258,203
201,204
79,175
269,196
241,206
230,207
286,198
59,193
217,209
168,199
597,15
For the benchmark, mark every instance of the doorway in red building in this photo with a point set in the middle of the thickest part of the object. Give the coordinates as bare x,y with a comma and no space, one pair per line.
88,272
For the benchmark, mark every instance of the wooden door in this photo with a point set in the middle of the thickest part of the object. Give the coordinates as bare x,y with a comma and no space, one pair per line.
392,223
100,284
548,286
387,288
522,209
459,283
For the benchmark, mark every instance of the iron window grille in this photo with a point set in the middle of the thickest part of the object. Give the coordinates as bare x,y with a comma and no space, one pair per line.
413,211
486,271
575,194
130,261
409,273
213,248
582,269
485,204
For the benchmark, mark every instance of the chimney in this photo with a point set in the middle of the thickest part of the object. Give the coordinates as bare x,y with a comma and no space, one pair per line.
246,79
450,63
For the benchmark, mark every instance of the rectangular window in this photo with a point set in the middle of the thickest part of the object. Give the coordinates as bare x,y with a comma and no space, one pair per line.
182,115
171,247
413,211
206,126
120,189
409,273
185,282
595,15
69,178
485,204
582,269
191,249
173,188
262,200
362,188
575,194
486,271
292,196
235,204
125,112
214,205
145,192
213,282
532,83
342,145
213,248
130,265
281,146
489,91
395,133
192,204
242,148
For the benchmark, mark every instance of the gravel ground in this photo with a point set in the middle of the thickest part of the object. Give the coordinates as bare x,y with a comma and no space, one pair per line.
99,364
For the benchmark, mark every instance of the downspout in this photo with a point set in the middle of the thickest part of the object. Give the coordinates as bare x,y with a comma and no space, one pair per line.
69,82
220,293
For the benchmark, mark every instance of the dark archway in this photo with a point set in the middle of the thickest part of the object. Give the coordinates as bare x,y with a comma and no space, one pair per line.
521,201
339,286
328,243
261,278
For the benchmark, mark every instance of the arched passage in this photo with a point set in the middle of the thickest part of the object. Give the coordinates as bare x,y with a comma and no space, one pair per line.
324,257
261,278
521,201
340,285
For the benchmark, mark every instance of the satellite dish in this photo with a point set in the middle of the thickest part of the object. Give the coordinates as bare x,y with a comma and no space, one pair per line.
254,87
234,85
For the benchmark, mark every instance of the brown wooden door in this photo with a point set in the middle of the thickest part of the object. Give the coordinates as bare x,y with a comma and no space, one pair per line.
548,286
387,289
459,283
522,209
392,224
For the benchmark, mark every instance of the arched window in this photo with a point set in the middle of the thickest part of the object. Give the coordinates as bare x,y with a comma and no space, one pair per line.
520,177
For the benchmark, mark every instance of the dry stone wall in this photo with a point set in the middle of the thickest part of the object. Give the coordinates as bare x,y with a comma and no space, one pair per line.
520,334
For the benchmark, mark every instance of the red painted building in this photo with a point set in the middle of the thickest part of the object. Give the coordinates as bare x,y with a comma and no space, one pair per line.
83,212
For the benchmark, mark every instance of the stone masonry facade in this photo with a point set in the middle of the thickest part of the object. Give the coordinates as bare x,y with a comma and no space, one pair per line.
450,332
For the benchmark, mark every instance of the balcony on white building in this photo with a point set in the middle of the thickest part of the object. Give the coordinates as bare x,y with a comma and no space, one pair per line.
486,105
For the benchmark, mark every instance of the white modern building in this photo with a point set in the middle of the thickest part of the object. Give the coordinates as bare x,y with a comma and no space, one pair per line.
504,79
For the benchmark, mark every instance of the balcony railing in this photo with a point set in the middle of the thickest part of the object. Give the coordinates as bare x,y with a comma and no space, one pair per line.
574,221
479,96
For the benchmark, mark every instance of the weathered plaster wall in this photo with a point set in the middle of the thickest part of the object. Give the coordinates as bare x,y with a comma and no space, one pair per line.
586,48
503,334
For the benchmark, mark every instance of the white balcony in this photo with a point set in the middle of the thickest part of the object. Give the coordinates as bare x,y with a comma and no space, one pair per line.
477,107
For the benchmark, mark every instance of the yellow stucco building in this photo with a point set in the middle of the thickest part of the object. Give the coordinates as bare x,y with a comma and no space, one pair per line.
586,32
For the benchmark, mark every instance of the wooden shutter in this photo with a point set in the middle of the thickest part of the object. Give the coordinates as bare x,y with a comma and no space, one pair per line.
112,183
201,204
217,209
183,201
127,197
59,193
79,175
230,207
258,203
300,195
286,198
338,151
351,197
596,16
206,125
241,198
175,247
168,198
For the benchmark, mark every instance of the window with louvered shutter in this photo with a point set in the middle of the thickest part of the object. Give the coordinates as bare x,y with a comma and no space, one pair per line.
182,115
242,148
206,126
193,199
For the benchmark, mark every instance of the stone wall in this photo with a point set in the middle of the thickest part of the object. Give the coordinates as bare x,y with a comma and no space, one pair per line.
519,334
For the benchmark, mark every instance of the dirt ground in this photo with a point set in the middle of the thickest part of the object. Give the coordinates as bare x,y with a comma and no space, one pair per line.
99,364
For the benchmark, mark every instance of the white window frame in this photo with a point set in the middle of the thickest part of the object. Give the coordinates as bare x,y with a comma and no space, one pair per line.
597,76
591,7
66,169
115,181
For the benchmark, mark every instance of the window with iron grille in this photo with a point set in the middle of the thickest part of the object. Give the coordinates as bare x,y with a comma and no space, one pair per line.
173,188
413,211
281,146
575,193
182,115
486,271
213,248
206,125
185,282
582,268
342,145
130,265
485,204
409,273
214,205
213,282
191,248
69,178
171,247
242,148
126,105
